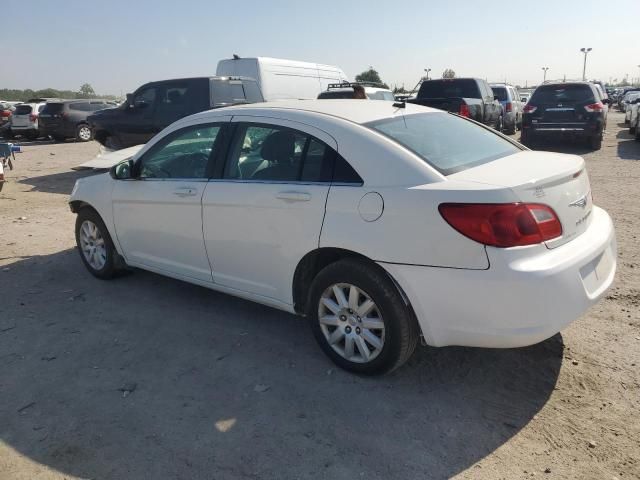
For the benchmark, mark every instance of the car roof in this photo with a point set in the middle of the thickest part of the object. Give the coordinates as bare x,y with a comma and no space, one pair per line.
354,110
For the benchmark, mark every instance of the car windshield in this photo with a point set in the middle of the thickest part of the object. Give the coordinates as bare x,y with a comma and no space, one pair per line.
557,94
449,88
501,93
435,137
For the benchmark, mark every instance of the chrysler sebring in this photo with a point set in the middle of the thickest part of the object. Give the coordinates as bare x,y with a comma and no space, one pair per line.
384,224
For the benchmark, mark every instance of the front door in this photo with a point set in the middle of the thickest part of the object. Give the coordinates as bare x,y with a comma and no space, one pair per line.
265,210
137,120
158,216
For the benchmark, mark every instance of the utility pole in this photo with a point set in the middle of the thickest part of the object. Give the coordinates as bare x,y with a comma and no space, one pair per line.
427,70
584,65
544,77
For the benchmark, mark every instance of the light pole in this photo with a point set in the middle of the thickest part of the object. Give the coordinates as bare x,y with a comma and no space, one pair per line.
639,76
427,70
584,66
544,78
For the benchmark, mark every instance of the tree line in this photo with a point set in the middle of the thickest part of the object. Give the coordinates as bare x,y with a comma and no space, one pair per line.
16,95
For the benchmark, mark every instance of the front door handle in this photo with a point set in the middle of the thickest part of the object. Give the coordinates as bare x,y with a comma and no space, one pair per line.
293,196
185,192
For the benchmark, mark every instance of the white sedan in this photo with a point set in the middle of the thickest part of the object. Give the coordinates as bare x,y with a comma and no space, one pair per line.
382,223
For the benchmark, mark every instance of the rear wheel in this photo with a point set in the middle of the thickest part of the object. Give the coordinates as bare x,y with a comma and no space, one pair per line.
83,133
595,142
359,318
95,245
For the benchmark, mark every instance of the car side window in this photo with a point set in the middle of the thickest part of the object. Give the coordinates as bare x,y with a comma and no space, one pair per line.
146,97
267,153
183,154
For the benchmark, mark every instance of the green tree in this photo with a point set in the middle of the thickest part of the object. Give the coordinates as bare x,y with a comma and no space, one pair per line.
372,76
86,91
448,73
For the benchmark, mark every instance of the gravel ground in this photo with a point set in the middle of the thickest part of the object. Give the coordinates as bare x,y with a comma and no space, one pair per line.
148,377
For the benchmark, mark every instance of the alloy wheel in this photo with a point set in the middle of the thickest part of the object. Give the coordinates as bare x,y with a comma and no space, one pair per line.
351,323
92,244
84,133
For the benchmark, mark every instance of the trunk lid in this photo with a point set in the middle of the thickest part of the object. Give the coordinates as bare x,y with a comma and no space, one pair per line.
554,179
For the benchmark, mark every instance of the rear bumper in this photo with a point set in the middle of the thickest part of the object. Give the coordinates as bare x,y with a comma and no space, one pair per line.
527,295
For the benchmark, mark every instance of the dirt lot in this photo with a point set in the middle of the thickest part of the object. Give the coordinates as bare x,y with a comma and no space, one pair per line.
147,377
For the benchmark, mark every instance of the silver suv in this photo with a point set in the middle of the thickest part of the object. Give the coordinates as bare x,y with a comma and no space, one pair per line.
512,106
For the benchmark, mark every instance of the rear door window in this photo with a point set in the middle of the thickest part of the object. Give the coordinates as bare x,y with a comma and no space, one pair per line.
53,108
79,107
562,94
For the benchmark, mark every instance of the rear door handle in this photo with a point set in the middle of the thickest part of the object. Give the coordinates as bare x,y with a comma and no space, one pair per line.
292,196
185,192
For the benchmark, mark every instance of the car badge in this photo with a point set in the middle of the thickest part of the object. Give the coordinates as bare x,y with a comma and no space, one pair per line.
581,202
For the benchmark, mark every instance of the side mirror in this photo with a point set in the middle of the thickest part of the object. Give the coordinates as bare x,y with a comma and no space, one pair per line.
129,99
122,170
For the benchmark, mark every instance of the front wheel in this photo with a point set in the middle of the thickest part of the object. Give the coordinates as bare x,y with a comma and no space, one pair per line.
595,142
360,319
95,245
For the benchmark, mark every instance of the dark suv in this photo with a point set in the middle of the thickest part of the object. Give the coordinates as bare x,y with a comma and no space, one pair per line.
68,118
565,110
156,105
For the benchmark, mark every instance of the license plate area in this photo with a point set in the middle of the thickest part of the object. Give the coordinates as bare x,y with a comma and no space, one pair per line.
595,273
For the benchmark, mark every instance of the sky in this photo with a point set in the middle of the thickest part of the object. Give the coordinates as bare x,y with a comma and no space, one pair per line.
118,45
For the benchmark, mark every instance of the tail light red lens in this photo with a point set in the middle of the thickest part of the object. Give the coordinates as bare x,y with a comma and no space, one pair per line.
594,107
508,107
503,224
529,109
5,113
33,117
464,110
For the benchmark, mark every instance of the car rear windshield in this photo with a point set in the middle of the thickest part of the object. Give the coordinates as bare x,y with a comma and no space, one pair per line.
501,93
225,92
53,108
23,110
333,94
562,94
449,88
446,142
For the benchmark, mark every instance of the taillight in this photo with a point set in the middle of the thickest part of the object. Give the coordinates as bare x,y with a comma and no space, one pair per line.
529,109
464,110
594,107
1,177
33,117
503,224
5,113
508,107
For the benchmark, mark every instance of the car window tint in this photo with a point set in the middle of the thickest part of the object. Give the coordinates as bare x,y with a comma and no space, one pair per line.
95,106
501,93
435,137
344,173
81,107
316,166
555,94
174,95
448,88
23,110
146,96
266,153
184,154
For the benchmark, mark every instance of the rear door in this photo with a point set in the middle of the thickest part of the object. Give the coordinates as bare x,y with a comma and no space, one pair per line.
20,117
265,209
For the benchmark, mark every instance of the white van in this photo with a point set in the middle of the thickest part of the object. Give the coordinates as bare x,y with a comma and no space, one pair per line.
283,79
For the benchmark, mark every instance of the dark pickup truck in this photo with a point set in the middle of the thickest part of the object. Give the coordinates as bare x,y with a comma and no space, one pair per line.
156,105
469,97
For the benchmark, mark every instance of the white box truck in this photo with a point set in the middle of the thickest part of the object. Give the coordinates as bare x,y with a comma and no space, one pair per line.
281,79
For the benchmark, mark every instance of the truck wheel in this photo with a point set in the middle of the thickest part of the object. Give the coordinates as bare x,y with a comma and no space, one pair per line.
83,133
360,319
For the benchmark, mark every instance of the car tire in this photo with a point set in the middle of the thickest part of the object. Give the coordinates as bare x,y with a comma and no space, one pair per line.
632,130
95,246
385,325
84,133
512,131
112,142
595,142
